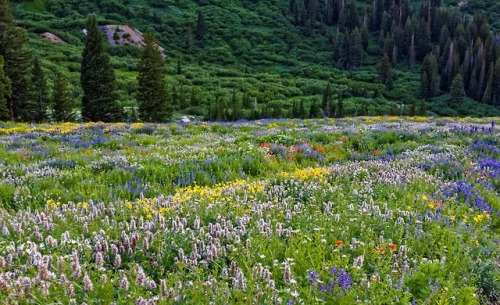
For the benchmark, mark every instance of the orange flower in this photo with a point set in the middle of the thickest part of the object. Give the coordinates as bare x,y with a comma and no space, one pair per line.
380,250
338,243
392,246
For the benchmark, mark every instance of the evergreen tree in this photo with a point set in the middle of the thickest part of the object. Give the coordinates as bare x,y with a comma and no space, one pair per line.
496,84
327,100
235,107
193,100
5,92
38,105
384,68
429,77
302,110
314,111
152,92
389,81
422,108
200,31
457,91
355,49
17,62
61,102
97,78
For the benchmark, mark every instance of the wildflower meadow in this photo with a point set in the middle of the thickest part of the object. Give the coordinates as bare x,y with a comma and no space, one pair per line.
376,210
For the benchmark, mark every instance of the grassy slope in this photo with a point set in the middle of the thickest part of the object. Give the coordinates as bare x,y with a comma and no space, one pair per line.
251,48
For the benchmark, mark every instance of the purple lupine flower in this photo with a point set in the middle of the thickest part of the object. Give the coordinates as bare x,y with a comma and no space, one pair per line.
344,279
331,286
333,270
289,302
313,277
322,288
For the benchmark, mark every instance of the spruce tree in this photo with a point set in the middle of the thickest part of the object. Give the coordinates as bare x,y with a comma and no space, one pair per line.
97,78
38,105
326,105
17,62
5,92
457,92
384,68
302,110
355,49
496,84
200,31
152,92
62,108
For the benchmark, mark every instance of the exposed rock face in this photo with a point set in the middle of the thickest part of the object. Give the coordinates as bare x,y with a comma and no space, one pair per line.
52,38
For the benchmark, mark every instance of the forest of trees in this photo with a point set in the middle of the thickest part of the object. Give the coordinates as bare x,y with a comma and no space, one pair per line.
457,58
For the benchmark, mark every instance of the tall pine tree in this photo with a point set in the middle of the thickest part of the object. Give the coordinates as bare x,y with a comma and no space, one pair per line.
457,92
62,108
97,78
38,105
152,92
5,92
200,31
17,62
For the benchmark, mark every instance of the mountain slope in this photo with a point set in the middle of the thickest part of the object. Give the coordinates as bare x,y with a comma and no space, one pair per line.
253,50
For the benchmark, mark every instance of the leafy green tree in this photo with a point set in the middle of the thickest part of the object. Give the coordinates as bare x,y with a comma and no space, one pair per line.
314,110
152,92
5,92
457,91
62,107
40,92
97,78
17,62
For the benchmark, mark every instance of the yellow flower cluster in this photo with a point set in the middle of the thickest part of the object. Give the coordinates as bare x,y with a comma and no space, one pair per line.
317,173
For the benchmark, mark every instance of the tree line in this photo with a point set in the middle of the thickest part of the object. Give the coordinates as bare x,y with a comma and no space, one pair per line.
451,47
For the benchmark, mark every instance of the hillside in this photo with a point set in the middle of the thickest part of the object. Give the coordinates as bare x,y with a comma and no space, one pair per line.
254,51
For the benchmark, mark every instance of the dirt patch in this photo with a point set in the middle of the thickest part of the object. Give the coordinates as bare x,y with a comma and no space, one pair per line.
52,38
124,35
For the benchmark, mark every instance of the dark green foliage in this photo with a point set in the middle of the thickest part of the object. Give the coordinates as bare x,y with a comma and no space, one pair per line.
97,78
39,104
496,83
281,51
429,82
200,31
384,68
457,92
152,92
17,62
62,107
5,92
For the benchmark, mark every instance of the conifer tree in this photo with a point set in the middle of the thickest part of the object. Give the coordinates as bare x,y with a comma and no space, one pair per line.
384,68
5,92
327,100
200,31
355,49
457,92
302,110
61,102
97,78
17,62
496,84
38,105
235,107
152,92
